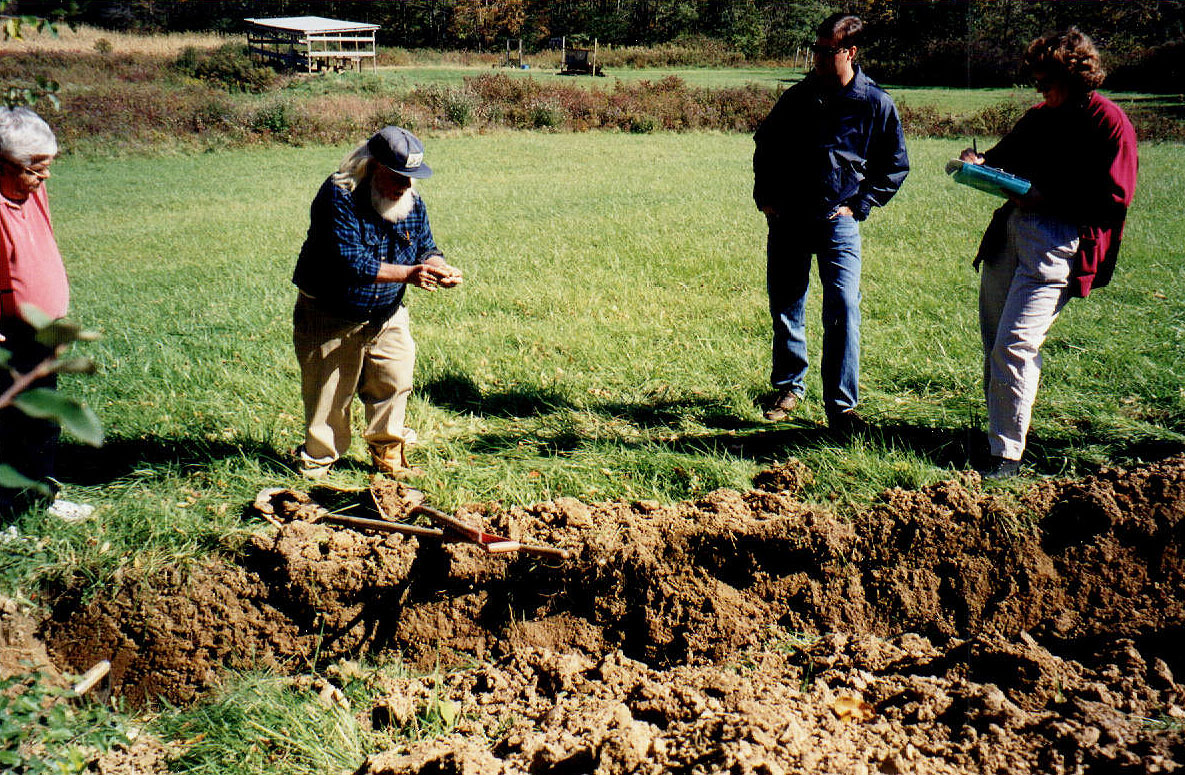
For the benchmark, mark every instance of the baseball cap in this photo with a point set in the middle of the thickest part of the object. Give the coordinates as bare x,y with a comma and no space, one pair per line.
399,151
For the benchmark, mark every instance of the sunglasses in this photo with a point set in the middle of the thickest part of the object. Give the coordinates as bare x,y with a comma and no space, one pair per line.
827,51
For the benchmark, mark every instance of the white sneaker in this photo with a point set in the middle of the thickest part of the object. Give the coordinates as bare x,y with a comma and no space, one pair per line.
70,512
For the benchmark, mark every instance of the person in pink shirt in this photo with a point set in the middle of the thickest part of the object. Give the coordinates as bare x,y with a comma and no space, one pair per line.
31,273
1061,239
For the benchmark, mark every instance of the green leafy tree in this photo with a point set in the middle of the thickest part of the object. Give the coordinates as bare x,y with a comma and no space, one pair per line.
485,21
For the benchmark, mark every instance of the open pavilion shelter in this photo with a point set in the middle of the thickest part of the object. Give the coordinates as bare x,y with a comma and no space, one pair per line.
312,43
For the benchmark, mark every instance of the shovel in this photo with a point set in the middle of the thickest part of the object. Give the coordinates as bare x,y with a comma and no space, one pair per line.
450,528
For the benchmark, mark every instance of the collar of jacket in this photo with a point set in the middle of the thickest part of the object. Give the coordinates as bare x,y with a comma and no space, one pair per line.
857,88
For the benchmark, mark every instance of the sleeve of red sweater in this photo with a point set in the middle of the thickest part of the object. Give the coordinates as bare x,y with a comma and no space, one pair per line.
1099,239
1121,141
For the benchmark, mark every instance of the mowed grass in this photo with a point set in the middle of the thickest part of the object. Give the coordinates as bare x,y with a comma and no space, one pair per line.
404,77
610,341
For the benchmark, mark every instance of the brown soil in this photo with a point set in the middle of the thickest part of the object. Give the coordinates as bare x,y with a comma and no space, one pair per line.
961,632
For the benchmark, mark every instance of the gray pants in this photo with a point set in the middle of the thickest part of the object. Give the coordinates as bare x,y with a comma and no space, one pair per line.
338,359
1021,291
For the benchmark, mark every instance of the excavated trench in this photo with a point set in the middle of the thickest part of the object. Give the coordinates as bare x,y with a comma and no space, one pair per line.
971,633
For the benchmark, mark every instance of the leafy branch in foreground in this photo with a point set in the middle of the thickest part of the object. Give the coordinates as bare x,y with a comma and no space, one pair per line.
75,417
42,88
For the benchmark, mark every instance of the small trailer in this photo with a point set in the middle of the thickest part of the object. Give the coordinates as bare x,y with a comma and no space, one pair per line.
580,61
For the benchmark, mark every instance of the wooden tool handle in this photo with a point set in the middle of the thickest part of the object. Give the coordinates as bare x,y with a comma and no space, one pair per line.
383,526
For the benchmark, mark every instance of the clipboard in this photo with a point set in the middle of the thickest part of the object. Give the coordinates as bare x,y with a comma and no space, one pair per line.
987,179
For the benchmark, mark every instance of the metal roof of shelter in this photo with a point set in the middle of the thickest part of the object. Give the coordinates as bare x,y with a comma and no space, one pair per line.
312,42
312,24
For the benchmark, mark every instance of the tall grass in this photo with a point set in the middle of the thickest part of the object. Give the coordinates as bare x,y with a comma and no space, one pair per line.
85,39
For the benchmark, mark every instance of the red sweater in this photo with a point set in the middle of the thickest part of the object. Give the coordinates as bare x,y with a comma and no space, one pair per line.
1082,157
31,270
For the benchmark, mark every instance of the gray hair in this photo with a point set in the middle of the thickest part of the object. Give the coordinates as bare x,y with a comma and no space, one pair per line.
25,135
354,168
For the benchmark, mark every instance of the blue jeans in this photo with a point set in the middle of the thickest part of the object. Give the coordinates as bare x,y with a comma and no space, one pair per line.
836,243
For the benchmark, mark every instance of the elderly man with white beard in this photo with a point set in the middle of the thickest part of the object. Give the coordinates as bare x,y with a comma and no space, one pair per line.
368,239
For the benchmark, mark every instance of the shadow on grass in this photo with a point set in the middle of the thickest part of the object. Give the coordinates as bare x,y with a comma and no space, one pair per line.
950,448
88,466
731,434
943,447
459,393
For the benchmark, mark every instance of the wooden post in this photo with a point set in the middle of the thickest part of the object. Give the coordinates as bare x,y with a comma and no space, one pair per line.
87,680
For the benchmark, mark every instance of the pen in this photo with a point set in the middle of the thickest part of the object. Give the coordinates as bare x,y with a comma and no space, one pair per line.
974,150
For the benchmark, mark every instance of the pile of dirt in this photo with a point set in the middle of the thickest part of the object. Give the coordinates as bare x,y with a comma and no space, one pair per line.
973,633
845,704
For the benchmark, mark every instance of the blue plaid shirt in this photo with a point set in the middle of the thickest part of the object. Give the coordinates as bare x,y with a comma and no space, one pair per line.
347,241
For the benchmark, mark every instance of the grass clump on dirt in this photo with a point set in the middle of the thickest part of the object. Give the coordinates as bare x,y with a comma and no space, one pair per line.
309,723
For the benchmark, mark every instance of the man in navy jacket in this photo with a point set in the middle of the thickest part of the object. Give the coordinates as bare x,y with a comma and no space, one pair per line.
830,150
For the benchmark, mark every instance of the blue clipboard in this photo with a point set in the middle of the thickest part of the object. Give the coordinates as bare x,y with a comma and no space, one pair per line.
987,179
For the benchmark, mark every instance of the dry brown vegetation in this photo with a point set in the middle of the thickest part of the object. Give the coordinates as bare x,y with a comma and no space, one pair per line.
84,39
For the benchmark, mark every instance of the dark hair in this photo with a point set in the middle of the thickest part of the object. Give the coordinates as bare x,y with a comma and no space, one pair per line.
843,27
1069,56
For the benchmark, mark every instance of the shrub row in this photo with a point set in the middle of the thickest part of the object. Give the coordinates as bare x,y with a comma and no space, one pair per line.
645,106
135,112
130,115
995,120
691,52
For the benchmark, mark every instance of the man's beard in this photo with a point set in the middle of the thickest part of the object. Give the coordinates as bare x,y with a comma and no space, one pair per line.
393,210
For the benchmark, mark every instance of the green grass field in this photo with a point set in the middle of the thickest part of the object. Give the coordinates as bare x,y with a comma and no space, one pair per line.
714,77
610,340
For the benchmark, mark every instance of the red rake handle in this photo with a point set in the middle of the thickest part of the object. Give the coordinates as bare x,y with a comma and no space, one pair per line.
494,544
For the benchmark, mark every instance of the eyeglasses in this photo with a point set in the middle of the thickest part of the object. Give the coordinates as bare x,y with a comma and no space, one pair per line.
40,174
827,51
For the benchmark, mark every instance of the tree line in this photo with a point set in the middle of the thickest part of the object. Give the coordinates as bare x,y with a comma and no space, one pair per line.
957,42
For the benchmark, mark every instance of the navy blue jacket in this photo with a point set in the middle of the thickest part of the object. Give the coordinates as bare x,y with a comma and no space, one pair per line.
347,241
821,148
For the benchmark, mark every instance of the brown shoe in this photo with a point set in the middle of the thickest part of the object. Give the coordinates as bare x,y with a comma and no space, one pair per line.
785,403
391,459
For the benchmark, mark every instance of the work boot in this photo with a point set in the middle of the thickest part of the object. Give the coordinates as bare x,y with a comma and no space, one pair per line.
783,404
308,467
391,459
1001,468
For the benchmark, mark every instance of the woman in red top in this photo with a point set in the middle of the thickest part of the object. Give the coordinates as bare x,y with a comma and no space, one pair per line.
1056,242
31,273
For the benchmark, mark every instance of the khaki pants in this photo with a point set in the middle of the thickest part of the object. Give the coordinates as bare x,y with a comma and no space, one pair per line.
340,358
1021,291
